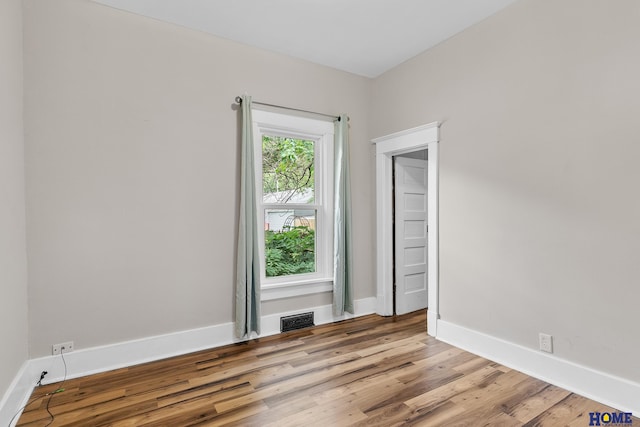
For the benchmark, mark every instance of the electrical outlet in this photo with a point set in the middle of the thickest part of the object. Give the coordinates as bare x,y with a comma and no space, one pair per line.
546,342
64,347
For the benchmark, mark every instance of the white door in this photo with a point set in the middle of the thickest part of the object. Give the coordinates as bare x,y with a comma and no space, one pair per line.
410,234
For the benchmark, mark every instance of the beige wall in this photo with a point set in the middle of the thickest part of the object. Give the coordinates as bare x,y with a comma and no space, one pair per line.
13,269
540,143
132,165
132,158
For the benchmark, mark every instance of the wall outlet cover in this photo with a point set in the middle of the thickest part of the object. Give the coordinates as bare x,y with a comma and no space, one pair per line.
546,342
64,347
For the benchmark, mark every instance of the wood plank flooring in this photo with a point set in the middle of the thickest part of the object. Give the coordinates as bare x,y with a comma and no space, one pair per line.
370,371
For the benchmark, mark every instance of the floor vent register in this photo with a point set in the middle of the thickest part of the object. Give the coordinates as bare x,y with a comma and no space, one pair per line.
296,321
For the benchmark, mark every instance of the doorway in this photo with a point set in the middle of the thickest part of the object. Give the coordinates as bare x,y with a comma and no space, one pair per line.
410,230
419,138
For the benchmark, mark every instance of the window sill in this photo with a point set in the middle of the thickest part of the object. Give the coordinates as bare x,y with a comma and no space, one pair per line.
294,289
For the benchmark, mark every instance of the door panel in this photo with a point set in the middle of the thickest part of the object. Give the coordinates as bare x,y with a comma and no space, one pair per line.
410,234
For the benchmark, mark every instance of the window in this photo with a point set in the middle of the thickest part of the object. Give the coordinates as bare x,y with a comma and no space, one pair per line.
294,186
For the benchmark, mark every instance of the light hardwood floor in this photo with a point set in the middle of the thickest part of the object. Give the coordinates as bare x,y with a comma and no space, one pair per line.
370,371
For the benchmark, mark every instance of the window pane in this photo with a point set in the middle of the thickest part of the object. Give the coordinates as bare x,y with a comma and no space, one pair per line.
290,241
288,170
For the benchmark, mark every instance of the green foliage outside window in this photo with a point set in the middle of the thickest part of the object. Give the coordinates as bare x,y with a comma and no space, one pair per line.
290,251
288,176
287,167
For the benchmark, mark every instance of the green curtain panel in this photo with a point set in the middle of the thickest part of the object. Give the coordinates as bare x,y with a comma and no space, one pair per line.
342,242
248,260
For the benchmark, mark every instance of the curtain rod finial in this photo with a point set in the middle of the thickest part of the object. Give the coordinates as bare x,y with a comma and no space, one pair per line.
238,100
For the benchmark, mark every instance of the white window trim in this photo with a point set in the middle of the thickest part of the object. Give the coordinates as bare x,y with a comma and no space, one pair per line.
321,131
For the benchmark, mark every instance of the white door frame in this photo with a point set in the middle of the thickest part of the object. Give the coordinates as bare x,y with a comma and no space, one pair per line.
418,138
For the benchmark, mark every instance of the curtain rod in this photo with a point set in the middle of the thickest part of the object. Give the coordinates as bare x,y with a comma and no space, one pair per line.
239,101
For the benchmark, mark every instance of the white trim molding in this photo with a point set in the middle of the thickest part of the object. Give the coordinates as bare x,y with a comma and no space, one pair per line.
293,289
418,138
119,355
619,393
18,392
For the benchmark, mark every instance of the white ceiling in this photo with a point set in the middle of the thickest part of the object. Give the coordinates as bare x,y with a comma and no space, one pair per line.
366,37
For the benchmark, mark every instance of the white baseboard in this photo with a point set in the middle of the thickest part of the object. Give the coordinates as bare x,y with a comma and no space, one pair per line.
619,393
119,355
17,393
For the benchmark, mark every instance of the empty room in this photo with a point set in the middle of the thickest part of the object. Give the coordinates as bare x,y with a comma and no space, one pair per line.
333,213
